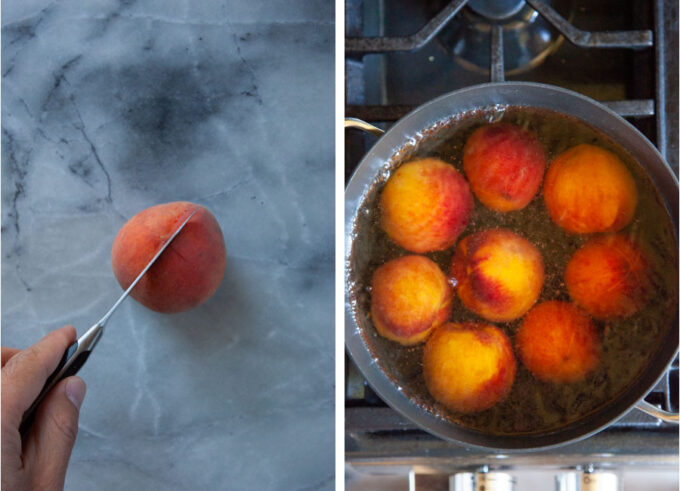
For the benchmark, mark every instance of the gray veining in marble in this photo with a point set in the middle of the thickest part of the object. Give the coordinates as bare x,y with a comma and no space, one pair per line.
109,107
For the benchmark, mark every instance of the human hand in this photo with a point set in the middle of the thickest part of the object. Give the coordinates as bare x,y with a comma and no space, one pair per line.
39,461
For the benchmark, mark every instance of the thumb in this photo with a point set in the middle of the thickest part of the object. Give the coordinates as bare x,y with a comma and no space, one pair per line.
53,435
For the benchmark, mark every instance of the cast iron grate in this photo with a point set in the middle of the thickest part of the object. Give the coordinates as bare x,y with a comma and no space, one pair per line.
663,40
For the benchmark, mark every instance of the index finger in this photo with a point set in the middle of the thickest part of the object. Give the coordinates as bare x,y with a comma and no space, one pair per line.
24,375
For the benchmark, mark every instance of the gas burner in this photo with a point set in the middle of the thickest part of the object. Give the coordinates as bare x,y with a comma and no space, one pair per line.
528,38
496,9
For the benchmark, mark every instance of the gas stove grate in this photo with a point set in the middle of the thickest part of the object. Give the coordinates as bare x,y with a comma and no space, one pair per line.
584,39
664,40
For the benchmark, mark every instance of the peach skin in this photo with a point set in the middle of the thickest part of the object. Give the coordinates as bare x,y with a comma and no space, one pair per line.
410,295
609,277
468,367
425,205
189,271
504,164
499,274
558,342
589,189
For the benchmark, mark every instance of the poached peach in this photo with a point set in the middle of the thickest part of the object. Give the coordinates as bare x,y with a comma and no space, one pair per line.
468,367
499,274
589,189
558,342
410,295
504,164
609,277
189,270
425,205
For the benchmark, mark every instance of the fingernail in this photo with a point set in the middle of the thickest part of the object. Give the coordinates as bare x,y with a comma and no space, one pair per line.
75,391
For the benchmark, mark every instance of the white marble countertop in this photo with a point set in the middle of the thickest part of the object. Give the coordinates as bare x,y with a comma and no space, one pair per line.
109,107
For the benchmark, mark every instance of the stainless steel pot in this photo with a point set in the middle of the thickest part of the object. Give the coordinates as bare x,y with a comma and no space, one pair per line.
359,335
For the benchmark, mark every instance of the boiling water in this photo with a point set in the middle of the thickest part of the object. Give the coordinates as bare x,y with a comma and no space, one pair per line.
627,345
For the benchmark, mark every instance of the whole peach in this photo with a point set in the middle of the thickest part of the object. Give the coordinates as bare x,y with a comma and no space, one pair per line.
589,189
609,277
504,164
558,342
468,367
425,205
410,295
189,270
499,274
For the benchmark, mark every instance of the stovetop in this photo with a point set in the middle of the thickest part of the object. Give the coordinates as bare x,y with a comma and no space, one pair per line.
401,54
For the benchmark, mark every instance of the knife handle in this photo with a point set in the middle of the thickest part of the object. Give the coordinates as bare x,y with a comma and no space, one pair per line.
72,361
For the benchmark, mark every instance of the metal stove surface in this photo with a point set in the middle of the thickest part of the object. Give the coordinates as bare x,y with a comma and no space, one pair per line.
401,54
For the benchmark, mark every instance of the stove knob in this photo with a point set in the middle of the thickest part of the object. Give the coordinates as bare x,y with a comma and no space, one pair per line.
481,481
599,481
587,481
462,481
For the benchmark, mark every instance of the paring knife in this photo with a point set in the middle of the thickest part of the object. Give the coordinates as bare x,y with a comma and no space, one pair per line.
76,354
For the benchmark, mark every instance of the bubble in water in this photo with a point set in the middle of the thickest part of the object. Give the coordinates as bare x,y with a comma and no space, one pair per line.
453,282
384,174
495,114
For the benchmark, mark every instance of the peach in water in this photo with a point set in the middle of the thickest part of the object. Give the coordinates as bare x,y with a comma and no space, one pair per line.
410,295
468,367
609,277
589,189
558,342
499,274
425,205
504,164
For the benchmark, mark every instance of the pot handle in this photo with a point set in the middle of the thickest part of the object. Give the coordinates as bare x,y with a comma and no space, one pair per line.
654,411
363,125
